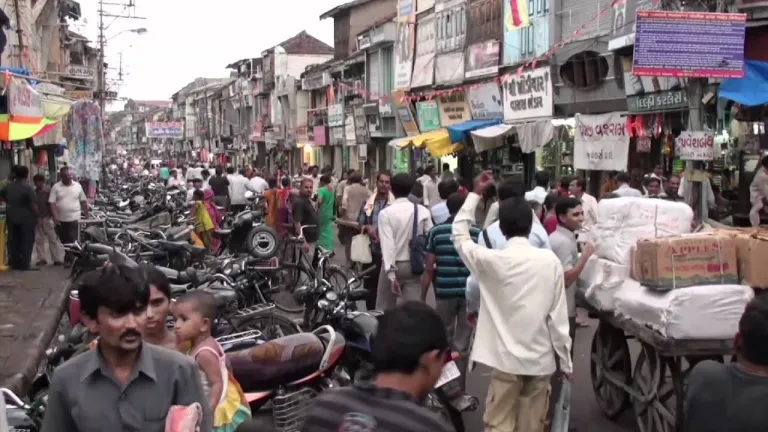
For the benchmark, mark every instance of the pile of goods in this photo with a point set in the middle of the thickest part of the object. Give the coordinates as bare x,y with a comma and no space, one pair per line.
650,268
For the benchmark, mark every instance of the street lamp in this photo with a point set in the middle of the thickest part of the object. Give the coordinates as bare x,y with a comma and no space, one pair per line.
101,72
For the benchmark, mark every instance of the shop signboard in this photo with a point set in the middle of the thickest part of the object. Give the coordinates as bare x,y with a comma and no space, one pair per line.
165,130
623,24
404,43
428,114
661,101
485,102
24,102
601,142
405,113
424,64
79,94
695,146
528,97
349,128
335,136
80,72
302,134
482,59
361,124
336,115
318,134
712,45
453,109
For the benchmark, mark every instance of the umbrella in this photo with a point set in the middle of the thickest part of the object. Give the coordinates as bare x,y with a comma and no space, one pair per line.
14,131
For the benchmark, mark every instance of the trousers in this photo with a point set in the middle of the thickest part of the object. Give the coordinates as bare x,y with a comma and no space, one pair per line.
410,288
21,240
47,245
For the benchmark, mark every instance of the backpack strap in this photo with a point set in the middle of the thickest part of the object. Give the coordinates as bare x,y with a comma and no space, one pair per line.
487,239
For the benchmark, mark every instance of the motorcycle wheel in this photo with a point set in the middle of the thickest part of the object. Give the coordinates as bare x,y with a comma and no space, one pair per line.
271,326
262,242
446,411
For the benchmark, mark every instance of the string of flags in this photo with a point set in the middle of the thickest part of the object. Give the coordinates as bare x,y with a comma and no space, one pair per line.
500,79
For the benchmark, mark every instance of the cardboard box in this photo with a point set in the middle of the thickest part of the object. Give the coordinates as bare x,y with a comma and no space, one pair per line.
751,253
686,260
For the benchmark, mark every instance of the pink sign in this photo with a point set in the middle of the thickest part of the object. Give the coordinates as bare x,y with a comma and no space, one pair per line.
318,133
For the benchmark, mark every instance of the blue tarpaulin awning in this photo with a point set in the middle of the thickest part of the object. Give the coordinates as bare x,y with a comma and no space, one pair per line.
752,90
457,131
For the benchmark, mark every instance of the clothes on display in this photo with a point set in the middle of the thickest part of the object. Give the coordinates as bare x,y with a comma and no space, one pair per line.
86,139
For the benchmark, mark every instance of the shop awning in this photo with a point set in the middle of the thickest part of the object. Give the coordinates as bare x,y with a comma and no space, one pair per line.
56,107
531,135
752,90
437,138
457,131
491,137
14,131
399,142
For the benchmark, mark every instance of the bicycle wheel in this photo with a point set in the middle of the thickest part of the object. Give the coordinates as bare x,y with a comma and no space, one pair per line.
289,277
272,326
337,277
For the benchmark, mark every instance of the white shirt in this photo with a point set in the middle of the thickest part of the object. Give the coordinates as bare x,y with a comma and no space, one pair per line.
565,246
396,231
238,185
538,238
523,320
758,189
257,185
440,213
175,181
492,216
538,194
144,173
710,193
589,206
430,194
625,190
190,192
67,200
194,173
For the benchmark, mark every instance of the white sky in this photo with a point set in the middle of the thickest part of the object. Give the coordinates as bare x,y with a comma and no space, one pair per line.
187,39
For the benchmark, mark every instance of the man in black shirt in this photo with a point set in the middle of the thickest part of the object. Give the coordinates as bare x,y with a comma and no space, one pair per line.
408,355
220,187
21,214
304,214
731,397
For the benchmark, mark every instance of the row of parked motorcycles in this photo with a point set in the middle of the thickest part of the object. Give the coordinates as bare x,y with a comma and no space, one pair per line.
281,360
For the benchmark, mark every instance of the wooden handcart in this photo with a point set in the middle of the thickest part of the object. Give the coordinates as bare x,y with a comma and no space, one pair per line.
655,388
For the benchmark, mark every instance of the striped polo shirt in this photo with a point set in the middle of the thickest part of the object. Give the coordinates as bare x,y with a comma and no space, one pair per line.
451,274
365,407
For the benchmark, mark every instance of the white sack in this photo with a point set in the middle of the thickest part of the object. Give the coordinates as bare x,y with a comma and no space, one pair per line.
624,221
699,312
601,279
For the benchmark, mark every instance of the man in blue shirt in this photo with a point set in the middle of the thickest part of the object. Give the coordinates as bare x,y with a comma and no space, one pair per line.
492,237
445,271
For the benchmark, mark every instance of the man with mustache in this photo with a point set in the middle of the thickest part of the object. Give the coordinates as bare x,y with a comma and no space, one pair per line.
123,384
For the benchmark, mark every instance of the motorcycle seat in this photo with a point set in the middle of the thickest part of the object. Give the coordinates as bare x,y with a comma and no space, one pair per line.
278,362
183,246
184,277
179,289
222,232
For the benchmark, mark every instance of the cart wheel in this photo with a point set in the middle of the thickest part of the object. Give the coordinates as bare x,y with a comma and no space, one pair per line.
610,358
657,388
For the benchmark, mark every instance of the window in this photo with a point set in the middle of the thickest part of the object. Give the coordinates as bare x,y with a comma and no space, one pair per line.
387,71
451,29
485,21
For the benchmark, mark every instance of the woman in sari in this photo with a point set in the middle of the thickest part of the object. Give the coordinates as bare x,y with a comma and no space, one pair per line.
271,195
206,218
326,201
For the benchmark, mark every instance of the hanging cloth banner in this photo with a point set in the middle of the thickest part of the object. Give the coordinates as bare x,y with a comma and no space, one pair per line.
601,142
517,16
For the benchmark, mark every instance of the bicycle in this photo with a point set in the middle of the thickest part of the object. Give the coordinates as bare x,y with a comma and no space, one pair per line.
300,269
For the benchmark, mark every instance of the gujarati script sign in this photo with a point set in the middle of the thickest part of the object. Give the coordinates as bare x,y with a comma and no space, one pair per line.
601,142
695,146
528,97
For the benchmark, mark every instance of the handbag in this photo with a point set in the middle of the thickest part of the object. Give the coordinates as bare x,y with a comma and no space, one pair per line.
360,249
417,245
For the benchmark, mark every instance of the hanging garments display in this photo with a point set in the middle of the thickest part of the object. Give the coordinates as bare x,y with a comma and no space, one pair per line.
86,140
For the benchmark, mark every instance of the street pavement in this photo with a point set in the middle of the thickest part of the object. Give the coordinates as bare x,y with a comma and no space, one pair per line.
31,306
586,415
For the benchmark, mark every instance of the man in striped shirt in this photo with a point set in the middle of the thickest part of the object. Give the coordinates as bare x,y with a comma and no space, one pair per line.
445,271
408,354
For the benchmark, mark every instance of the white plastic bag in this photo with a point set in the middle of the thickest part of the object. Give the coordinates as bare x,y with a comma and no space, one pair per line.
360,249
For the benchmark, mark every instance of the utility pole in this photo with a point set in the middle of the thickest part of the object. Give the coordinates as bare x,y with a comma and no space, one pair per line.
101,73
